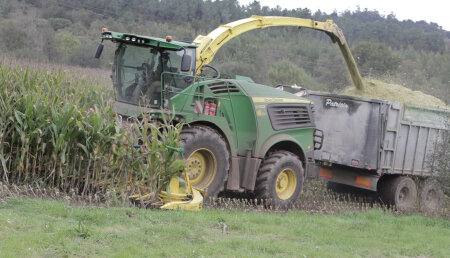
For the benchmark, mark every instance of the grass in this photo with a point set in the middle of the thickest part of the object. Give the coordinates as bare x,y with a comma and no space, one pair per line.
36,227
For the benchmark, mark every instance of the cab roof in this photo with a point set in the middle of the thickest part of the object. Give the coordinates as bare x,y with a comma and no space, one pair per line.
140,40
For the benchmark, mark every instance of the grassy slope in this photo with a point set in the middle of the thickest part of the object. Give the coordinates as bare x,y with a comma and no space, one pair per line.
32,227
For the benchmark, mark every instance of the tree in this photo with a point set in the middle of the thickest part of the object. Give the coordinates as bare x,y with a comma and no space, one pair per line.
85,17
83,54
441,160
49,46
286,72
377,56
59,23
13,37
5,7
66,41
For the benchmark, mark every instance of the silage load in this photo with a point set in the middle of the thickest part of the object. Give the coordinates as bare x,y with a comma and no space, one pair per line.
393,92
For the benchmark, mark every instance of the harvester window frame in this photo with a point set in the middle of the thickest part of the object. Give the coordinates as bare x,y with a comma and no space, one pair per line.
147,79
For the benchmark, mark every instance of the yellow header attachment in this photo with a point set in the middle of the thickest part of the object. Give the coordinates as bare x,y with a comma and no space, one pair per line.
210,44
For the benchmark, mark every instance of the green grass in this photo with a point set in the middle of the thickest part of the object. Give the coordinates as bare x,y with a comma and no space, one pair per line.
35,227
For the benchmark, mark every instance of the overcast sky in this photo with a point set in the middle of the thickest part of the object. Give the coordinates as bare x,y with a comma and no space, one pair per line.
429,10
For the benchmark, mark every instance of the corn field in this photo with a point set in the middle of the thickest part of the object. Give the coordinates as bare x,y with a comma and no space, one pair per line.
58,129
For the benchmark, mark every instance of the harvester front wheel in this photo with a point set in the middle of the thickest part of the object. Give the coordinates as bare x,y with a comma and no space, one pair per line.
280,179
207,159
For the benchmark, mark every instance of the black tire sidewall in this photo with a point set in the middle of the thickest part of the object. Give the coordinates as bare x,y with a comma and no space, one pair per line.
289,161
208,139
409,183
428,186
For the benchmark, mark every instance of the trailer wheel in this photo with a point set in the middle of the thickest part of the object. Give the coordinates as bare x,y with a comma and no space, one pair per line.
207,159
280,179
431,196
400,191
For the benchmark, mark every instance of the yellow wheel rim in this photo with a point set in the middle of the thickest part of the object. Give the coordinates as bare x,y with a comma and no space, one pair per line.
286,184
201,167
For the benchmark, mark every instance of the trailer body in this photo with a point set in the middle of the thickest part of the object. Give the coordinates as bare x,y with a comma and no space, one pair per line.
364,139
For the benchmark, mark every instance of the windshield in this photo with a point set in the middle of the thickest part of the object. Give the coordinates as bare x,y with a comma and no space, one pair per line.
138,72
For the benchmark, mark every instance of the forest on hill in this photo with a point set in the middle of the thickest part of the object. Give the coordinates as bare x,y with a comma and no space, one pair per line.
412,54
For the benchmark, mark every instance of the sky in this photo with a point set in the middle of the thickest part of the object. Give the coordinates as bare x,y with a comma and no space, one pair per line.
429,10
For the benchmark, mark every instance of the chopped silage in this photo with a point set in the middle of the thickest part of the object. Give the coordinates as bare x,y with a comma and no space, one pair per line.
393,92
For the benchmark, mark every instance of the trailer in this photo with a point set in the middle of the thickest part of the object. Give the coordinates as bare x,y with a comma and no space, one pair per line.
378,145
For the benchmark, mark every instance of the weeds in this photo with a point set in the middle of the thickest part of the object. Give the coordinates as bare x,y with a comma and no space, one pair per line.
441,160
82,230
316,198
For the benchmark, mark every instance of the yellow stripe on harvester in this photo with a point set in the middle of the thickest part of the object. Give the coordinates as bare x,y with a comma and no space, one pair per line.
278,100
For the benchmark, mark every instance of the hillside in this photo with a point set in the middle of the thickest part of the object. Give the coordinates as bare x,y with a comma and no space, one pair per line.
412,54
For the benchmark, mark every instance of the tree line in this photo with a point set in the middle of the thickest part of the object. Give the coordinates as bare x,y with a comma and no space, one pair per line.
414,54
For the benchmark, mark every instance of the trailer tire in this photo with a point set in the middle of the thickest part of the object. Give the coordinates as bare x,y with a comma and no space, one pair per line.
207,159
280,179
431,196
400,191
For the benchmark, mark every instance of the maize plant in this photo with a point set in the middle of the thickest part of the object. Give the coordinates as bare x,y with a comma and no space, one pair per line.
59,130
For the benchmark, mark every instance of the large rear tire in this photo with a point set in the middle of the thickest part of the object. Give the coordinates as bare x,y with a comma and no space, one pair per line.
431,196
280,179
400,191
207,159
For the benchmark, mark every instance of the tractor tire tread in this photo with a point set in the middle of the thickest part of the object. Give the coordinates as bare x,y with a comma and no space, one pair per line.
388,188
267,174
425,187
194,132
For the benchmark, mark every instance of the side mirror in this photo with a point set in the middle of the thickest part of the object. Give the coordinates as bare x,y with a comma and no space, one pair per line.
186,61
99,51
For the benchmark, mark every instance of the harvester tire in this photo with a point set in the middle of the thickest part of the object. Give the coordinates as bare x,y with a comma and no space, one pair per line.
400,191
431,196
280,179
207,159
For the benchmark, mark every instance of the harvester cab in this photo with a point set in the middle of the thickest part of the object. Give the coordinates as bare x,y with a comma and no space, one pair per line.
139,65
